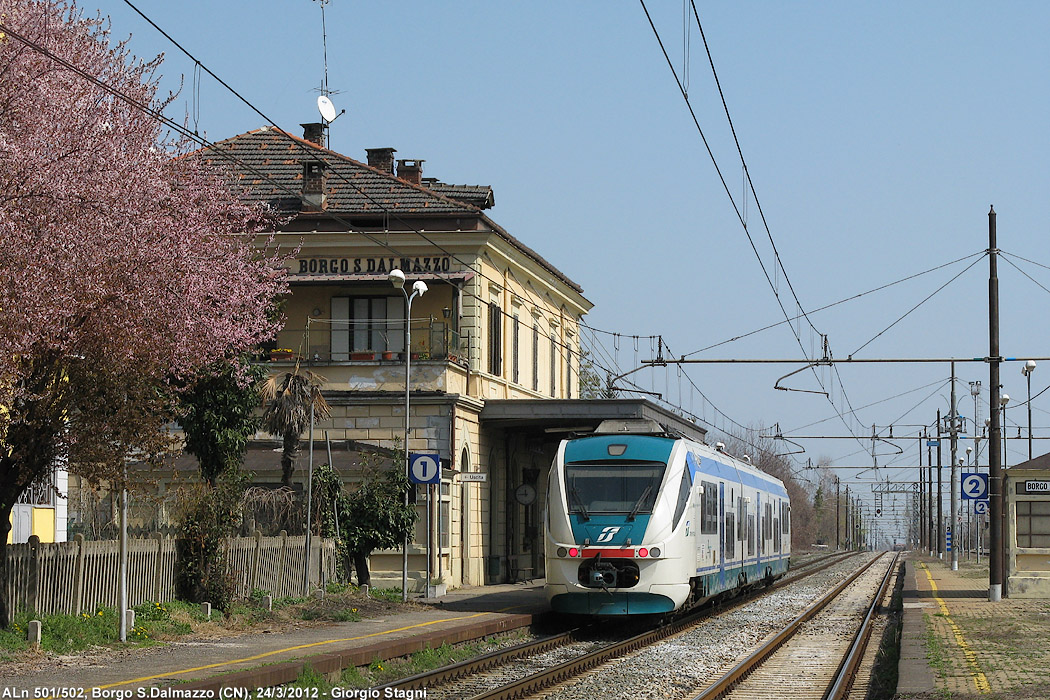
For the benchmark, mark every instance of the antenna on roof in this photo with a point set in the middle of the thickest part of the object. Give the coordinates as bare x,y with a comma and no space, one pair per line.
324,104
327,109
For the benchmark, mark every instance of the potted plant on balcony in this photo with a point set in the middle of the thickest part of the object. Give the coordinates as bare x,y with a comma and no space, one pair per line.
362,356
281,355
389,355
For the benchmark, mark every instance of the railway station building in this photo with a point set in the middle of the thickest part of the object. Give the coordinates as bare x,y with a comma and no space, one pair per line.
1026,531
494,345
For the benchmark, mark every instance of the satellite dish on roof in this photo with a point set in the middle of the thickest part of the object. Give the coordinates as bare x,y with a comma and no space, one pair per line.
326,108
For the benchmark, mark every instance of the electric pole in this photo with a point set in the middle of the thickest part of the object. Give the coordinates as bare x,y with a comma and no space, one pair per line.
954,490
940,494
995,465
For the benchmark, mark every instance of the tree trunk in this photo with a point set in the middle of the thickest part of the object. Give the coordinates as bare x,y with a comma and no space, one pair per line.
361,566
5,529
291,446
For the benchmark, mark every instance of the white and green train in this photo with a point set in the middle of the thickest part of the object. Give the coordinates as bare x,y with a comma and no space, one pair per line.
644,523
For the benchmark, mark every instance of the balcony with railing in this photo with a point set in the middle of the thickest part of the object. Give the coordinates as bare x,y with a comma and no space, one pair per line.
371,356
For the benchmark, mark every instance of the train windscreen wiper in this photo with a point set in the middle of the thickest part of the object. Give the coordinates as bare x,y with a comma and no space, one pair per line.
581,509
639,502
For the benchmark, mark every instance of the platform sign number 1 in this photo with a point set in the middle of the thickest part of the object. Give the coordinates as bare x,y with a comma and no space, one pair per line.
424,469
974,486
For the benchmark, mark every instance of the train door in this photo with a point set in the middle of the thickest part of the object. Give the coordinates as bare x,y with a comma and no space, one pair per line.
723,534
758,527
697,525
776,526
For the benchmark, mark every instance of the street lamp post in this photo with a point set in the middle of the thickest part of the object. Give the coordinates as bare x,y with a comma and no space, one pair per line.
1027,370
419,288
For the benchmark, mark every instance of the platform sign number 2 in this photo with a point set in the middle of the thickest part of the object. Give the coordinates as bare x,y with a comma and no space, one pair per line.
974,486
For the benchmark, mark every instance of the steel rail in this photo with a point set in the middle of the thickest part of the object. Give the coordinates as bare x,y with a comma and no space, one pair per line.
495,659
843,681
557,674
480,664
736,674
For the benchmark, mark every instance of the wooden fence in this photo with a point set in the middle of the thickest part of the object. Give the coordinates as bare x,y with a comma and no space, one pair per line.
80,576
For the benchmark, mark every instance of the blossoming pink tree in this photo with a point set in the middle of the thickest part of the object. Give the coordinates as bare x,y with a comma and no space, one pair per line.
121,266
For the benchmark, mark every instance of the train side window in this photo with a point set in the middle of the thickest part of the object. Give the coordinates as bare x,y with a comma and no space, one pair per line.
741,506
709,509
683,498
776,540
730,542
750,535
785,519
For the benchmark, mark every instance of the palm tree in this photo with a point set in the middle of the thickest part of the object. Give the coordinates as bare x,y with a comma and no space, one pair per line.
287,398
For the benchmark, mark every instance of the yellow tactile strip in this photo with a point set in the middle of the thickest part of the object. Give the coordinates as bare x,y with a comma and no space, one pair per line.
1007,641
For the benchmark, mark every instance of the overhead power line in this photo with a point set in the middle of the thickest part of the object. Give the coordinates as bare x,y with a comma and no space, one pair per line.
743,222
213,148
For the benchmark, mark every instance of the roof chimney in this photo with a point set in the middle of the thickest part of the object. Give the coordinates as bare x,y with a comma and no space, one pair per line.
314,133
411,171
381,159
315,176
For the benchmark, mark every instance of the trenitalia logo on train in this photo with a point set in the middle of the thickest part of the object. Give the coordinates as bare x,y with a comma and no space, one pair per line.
643,522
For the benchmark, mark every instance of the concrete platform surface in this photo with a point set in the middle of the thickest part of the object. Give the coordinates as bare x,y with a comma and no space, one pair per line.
956,644
255,658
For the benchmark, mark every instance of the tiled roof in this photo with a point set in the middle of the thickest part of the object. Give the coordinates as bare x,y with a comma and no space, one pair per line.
478,195
268,165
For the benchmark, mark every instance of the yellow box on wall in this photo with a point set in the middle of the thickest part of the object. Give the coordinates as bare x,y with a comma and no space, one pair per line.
44,524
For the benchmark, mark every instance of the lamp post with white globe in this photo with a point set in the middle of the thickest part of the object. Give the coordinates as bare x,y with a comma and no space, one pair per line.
419,288
1027,370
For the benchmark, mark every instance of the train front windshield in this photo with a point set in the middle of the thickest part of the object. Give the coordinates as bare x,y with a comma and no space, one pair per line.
627,489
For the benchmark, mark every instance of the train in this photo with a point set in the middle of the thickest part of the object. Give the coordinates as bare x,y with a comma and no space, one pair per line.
640,521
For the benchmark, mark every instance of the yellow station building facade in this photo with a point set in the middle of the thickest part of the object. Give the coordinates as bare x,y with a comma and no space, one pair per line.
497,323
494,346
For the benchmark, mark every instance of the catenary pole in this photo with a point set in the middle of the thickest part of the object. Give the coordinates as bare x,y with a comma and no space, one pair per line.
940,494
838,505
931,540
995,467
953,491
922,501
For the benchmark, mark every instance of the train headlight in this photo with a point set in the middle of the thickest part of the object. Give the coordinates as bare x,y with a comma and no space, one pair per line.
654,552
573,552
643,552
562,552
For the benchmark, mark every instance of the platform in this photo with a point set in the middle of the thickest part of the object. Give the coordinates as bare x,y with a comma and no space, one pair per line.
955,643
261,659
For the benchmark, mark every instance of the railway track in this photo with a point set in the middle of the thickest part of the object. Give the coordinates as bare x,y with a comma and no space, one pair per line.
818,653
526,669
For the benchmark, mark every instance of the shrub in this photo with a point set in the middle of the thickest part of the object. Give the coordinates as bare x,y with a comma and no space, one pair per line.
206,517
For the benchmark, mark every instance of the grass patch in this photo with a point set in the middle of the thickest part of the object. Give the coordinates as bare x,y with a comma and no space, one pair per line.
379,671
161,622
309,678
64,634
884,672
935,651
390,595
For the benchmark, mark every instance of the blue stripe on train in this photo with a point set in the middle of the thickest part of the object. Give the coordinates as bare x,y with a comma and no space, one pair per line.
716,469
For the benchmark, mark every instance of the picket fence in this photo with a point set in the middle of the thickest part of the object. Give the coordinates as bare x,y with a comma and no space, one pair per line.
83,575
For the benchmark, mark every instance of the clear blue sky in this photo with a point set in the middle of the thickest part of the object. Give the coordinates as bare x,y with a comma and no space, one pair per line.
876,135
